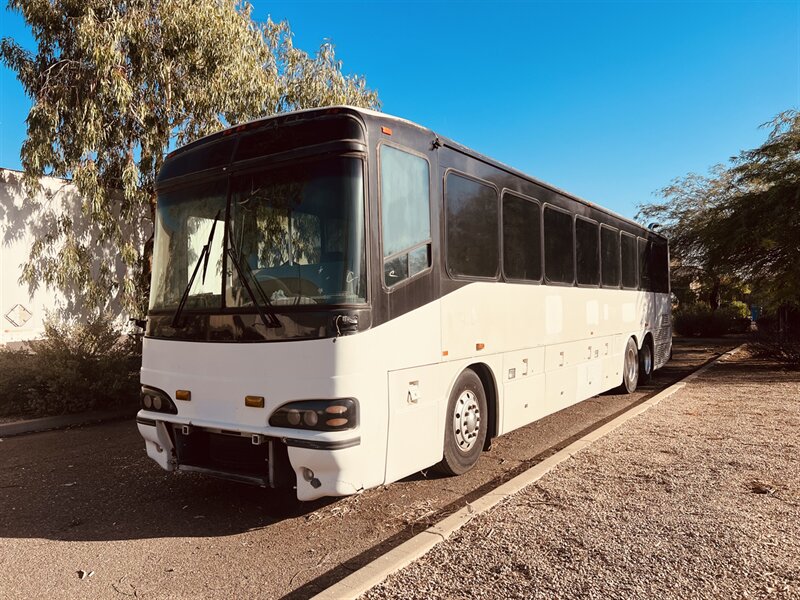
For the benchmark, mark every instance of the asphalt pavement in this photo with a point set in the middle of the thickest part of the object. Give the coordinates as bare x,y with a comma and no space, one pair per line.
88,501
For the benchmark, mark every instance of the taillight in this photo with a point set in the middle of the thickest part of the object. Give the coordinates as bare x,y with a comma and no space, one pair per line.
317,415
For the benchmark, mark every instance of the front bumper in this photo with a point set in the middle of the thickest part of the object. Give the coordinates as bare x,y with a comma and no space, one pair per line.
317,466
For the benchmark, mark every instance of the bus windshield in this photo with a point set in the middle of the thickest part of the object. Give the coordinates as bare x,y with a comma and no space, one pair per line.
295,232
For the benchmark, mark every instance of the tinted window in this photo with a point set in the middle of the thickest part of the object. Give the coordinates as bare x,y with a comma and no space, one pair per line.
629,252
282,135
644,263
587,252
405,213
609,245
472,245
659,271
522,238
207,156
558,246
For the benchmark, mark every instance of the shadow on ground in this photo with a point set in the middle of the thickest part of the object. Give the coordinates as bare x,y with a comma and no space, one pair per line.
95,483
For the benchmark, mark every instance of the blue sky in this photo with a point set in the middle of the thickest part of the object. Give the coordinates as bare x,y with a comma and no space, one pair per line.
610,101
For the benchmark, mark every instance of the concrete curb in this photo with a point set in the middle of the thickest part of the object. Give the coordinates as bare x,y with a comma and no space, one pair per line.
362,580
62,421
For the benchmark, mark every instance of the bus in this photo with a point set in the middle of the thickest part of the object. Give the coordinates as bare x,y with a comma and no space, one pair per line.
341,298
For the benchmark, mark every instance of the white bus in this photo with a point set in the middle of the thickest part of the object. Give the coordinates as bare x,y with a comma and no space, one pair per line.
341,298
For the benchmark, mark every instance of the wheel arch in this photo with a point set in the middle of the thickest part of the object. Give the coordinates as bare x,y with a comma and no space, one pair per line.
485,374
648,339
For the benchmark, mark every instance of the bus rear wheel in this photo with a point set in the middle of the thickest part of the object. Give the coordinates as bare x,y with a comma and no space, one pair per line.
646,362
465,425
630,368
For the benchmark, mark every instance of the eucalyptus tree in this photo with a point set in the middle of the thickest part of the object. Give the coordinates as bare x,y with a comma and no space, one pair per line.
115,85
742,222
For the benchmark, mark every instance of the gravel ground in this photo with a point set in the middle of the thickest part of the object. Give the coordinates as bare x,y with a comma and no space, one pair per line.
697,498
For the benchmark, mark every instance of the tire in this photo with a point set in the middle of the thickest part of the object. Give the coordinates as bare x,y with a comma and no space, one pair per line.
630,368
466,421
646,362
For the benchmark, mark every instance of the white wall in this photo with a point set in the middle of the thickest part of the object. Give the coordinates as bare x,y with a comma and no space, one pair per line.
23,220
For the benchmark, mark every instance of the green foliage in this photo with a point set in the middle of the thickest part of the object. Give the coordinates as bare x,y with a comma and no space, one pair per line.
738,309
115,85
75,367
740,225
700,320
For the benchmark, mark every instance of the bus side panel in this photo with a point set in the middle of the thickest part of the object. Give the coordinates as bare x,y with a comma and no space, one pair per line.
416,427
662,330
400,352
523,374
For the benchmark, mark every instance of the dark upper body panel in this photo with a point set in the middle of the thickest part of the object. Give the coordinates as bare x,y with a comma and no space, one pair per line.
347,130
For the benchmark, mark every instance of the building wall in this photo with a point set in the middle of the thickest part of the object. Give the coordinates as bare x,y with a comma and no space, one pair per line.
23,220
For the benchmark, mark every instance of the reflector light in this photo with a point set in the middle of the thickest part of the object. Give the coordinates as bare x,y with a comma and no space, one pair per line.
254,401
183,395
386,130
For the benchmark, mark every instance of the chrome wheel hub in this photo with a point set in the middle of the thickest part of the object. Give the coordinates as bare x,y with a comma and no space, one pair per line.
466,420
631,363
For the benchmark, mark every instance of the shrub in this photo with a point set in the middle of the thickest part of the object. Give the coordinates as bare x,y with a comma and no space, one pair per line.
737,309
699,320
736,317
16,369
74,367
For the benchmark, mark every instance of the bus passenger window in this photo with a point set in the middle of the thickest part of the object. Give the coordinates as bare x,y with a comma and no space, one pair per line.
587,252
472,244
659,266
629,252
522,238
645,249
559,260
405,214
609,245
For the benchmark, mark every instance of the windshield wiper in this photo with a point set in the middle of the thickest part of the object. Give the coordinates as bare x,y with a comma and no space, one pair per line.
268,316
203,258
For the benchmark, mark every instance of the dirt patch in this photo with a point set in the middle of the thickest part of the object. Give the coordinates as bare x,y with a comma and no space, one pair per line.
699,497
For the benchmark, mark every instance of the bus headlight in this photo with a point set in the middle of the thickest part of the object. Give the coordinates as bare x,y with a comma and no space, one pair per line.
157,401
317,415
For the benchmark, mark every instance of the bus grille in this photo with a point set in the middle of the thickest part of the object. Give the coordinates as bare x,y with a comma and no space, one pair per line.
222,452
663,341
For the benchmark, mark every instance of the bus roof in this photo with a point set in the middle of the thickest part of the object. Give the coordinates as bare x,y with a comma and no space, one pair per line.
444,140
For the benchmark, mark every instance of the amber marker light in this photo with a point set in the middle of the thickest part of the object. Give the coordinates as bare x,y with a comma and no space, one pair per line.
386,130
254,401
445,352
479,346
183,395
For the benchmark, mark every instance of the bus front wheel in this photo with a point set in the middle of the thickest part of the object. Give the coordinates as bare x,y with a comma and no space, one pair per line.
630,368
465,425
